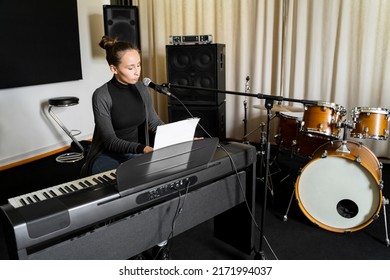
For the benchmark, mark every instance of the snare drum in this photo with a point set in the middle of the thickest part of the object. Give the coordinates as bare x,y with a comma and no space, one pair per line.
340,189
288,128
322,120
370,123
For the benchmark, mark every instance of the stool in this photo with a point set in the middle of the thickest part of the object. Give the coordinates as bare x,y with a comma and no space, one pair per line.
65,102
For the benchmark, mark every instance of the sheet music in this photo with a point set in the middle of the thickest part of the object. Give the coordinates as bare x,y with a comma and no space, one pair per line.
174,133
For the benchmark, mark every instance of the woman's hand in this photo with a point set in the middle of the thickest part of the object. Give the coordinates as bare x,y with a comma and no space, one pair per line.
148,149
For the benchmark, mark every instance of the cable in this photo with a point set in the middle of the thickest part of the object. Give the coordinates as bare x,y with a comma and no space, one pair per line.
244,196
178,211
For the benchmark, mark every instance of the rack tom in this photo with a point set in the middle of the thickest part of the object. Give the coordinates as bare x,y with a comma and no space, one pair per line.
370,123
322,120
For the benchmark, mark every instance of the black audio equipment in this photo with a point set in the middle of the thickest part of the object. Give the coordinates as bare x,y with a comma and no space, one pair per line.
212,118
190,40
198,66
122,22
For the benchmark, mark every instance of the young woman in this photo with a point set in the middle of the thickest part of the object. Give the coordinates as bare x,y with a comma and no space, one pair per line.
123,111
124,115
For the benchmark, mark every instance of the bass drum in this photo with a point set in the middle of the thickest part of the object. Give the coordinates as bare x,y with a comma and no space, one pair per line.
340,189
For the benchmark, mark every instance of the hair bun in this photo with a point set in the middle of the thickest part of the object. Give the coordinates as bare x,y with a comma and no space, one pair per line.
107,42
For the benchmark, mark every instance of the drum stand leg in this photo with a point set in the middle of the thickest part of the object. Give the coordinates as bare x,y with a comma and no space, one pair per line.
289,205
385,202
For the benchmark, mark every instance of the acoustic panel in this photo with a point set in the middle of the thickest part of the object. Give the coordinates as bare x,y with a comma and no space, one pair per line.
41,43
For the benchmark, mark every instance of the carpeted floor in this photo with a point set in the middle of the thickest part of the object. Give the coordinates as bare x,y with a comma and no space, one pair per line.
296,238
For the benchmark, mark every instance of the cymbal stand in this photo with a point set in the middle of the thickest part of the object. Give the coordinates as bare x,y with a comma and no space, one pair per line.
262,152
245,120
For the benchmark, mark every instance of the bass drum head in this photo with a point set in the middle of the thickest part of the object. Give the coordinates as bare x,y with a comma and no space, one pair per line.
338,194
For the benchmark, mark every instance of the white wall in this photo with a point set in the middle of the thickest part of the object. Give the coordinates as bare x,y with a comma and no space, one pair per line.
26,130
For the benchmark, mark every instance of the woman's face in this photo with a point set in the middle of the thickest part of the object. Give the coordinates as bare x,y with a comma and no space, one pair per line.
129,69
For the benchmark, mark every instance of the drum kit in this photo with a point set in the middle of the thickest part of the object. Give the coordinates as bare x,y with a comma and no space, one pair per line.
350,196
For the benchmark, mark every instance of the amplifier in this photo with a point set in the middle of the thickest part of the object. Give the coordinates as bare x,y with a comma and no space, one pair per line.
190,39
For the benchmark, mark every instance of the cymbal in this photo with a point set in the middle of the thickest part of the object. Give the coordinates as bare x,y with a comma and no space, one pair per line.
280,108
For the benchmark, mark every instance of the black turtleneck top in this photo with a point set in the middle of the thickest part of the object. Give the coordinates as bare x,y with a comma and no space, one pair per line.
127,111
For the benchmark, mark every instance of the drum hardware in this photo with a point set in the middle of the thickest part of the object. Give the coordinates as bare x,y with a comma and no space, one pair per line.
279,107
385,202
262,153
288,207
346,125
260,126
344,149
245,102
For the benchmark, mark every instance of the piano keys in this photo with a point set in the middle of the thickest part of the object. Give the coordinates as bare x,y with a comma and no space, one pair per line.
107,178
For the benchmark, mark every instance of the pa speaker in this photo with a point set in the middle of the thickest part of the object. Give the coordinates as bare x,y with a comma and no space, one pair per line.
200,66
122,23
212,118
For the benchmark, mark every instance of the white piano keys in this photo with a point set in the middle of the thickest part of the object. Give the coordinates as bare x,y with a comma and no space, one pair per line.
65,188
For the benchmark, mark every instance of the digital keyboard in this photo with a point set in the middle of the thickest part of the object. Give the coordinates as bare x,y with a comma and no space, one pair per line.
45,217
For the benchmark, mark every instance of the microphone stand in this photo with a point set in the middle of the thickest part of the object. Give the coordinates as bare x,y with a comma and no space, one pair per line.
269,101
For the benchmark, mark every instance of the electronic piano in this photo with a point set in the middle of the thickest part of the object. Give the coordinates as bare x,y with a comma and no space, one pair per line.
105,209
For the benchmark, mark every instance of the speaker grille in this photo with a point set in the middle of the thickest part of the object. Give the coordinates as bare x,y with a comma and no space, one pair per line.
201,66
122,22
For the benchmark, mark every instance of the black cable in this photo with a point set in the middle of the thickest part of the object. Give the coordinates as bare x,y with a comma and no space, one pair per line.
178,211
244,195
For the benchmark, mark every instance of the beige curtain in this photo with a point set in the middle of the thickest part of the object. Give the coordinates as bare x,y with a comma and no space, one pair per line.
337,51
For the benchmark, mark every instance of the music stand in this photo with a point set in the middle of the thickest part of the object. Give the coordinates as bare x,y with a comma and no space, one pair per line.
165,164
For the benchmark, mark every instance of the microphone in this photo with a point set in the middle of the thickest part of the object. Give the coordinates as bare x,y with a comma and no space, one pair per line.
148,82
